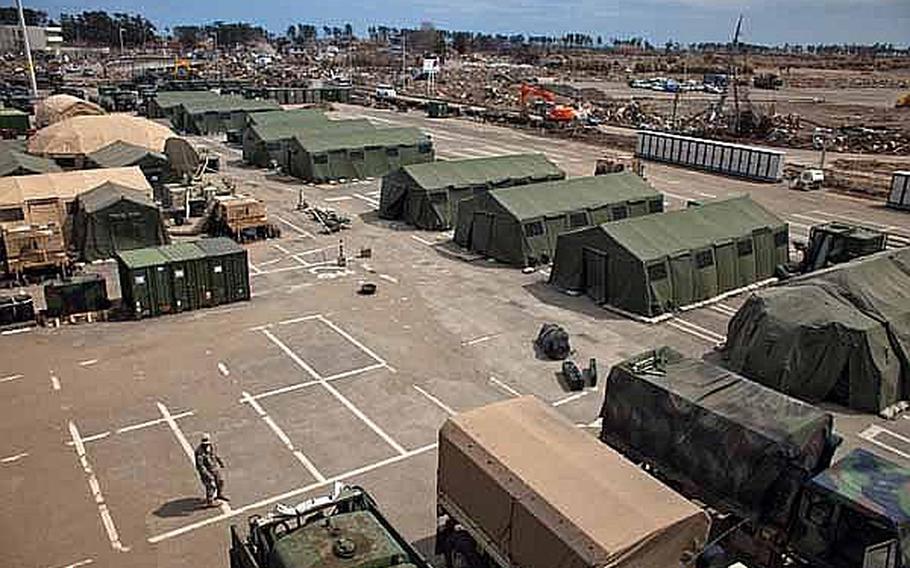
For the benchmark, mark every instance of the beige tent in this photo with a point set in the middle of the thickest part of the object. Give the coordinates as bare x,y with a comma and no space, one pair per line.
548,494
55,108
16,190
76,137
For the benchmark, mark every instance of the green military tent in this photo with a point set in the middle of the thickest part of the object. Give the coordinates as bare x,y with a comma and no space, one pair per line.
841,335
111,218
519,225
263,143
658,263
211,116
17,163
165,104
427,195
122,154
339,154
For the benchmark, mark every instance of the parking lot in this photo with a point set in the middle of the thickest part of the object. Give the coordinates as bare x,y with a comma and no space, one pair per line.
310,383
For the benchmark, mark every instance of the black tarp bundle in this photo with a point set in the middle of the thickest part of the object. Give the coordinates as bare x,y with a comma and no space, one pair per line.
841,335
735,444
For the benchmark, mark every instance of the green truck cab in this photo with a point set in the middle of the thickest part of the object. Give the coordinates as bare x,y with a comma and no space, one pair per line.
344,530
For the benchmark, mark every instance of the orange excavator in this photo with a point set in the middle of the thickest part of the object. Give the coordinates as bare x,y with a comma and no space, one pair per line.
547,99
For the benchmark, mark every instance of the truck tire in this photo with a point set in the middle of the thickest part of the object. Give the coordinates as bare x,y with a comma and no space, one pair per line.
461,552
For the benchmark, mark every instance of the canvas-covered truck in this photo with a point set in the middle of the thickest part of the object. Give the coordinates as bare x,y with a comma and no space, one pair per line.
344,530
761,461
520,485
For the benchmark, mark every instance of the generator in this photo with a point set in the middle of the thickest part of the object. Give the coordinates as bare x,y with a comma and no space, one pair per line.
81,294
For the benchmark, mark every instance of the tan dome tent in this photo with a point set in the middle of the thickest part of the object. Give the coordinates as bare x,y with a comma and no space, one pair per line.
55,108
69,141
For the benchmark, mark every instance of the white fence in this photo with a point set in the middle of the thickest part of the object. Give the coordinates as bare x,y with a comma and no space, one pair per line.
759,164
900,191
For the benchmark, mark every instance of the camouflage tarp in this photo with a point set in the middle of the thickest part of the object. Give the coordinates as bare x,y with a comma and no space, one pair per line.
842,335
732,443
874,487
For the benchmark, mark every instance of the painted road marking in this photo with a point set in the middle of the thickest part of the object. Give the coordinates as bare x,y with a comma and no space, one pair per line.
290,494
95,488
14,458
254,268
88,362
872,432
307,464
446,408
388,278
154,422
295,227
11,378
184,443
369,200
423,241
85,562
572,398
332,390
16,331
280,248
55,382
504,386
339,198
481,339
223,369
676,324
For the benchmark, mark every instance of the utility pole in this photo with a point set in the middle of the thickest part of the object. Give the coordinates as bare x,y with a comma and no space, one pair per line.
404,58
28,50
121,40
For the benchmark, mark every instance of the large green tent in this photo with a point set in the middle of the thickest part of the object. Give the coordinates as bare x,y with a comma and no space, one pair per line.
263,143
427,195
111,218
339,154
122,154
165,104
519,225
206,115
841,335
17,163
658,263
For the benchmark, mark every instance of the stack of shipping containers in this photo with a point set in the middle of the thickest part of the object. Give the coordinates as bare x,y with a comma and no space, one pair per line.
899,198
183,276
760,164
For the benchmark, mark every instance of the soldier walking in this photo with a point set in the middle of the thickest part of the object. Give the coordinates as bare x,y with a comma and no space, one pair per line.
209,465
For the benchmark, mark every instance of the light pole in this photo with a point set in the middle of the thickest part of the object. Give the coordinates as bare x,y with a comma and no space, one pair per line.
121,40
28,50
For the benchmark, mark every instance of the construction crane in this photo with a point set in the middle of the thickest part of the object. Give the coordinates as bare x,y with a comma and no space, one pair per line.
553,112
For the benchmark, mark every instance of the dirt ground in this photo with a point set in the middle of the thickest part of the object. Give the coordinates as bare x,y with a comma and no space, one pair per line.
310,383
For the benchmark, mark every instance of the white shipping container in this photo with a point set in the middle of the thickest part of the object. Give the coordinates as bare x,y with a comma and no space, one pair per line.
702,150
733,159
753,163
900,191
764,162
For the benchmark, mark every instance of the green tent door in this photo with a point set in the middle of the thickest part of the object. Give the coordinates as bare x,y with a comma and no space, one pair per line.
482,232
683,278
705,274
765,253
595,267
725,264
555,226
745,262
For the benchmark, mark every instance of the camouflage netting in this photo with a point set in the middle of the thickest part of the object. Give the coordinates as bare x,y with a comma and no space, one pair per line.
689,420
843,335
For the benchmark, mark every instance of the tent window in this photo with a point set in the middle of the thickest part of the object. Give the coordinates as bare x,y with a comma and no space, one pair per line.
780,239
657,272
533,229
744,248
655,206
620,212
356,154
425,148
578,219
704,259
7,215
321,159
392,152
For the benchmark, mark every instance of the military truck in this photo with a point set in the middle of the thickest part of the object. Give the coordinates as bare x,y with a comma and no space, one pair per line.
344,530
761,463
520,485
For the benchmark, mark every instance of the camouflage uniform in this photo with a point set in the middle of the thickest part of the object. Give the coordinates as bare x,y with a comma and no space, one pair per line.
209,466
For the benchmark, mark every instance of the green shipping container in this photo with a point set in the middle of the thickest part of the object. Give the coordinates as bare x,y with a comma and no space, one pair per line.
188,268
145,282
14,120
77,295
229,271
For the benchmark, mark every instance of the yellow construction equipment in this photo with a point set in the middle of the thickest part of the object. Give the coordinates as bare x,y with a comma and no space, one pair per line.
903,101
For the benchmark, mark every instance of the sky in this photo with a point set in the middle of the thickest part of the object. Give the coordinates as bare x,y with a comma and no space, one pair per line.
685,21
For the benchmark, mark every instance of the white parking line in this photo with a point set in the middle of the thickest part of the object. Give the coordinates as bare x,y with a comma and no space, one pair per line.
388,278
223,369
14,458
16,331
676,324
85,562
369,200
348,336
55,382
11,378
88,362
254,268
295,227
870,433
332,390
95,488
290,494
504,386
339,198
446,408
184,443
423,241
154,422
307,464
572,398
481,339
